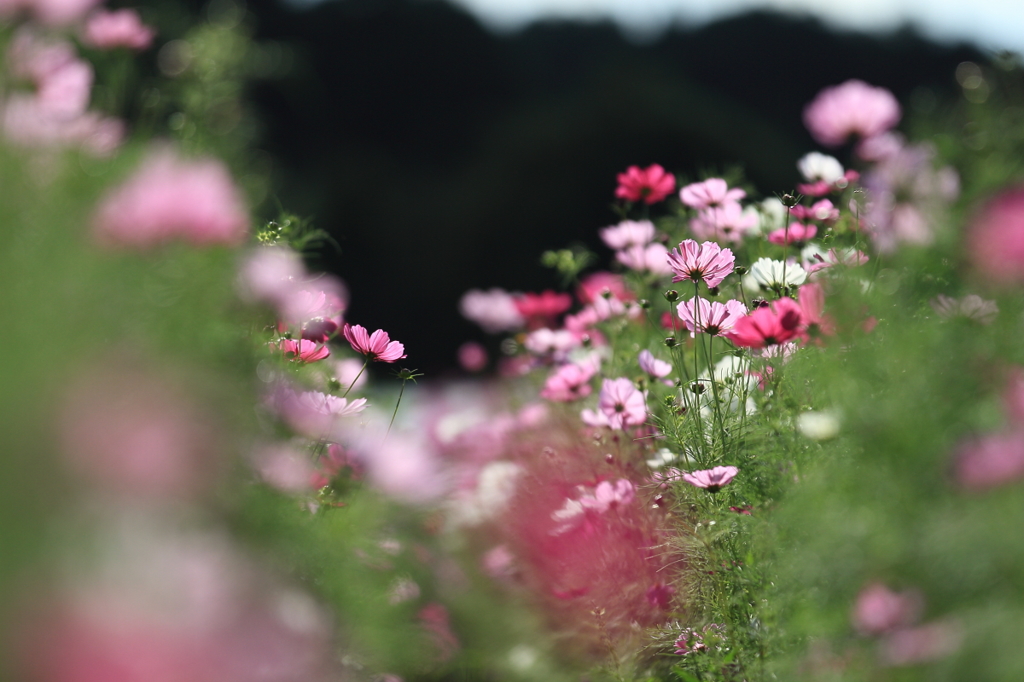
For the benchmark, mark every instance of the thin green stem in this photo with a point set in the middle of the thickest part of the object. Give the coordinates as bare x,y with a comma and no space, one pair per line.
361,370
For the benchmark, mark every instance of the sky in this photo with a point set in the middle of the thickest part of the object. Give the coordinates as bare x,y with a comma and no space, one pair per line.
992,24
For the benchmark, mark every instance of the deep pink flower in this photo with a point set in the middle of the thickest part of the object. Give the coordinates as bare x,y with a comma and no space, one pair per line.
708,262
879,610
305,351
628,233
995,238
377,346
569,382
822,211
472,356
711,317
796,233
540,310
602,284
711,192
711,479
121,28
812,304
853,108
622,404
333,463
650,185
767,326
170,198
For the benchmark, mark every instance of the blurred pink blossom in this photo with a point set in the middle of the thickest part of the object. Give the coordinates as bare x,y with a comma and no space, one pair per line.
608,496
544,341
602,284
498,562
170,198
317,308
653,366
921,644
995,238
768,326
284,467
628,233
303,350
879,610
332,463
435,620
568,383
822,211
990,461
713,318
650,185
542,309
652,258
348,371
971,307
472,356
711,192
49,12
727,222
494,310
107,30
796,233
313,414
853,108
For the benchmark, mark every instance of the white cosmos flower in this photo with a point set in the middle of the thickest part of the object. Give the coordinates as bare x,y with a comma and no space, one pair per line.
774,274
817,166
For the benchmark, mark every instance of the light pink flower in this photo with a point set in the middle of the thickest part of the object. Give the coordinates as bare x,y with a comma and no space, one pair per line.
822,211
650,185
853,108
995,238
990,461
711,479
602,284
880,147
349,370
607,496
725,223
121,28
332,464
314,414
303,350
652,258
270,274
498,562
921,644
595,418
651,365
316,308
768,326
796,233
568,383
494,310
544,341
377,347
49,12
170,198
622,404
283,467
811,298
711,192
708,263
879,610
699,315
628,233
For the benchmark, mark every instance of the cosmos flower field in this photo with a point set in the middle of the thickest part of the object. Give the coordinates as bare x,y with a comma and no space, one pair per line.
767,434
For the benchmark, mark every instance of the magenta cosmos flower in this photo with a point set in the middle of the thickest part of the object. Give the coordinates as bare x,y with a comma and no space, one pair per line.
303,350
711,192
170,198
768,326
377,346
650,185
711,479
853,108
708,262
622,404
796,233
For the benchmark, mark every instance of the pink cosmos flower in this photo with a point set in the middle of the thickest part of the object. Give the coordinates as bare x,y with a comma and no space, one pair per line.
822,211
335,461
544,341
879,610
796,233
1013,396
990,461
652,258
622,404
283,467
708,262
49,12
726,223
628,233
880,147
691,640
121,28
768,326
711,479
377,347
494,310
824,175
713,318
711,192
568,383
472,356
270,274
303,350
812,304
315,308
607,496
853,108
652,366
846,257
650,185
921,644
171,198
995,238
312,413
602,284
541,309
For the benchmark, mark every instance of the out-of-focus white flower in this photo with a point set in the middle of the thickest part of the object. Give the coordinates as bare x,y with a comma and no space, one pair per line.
818,425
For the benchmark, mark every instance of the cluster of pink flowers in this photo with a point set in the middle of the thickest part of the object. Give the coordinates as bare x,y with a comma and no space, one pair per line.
853,108
121,28
719,214
892,616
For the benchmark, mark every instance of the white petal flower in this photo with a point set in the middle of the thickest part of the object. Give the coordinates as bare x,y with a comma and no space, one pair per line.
774,274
